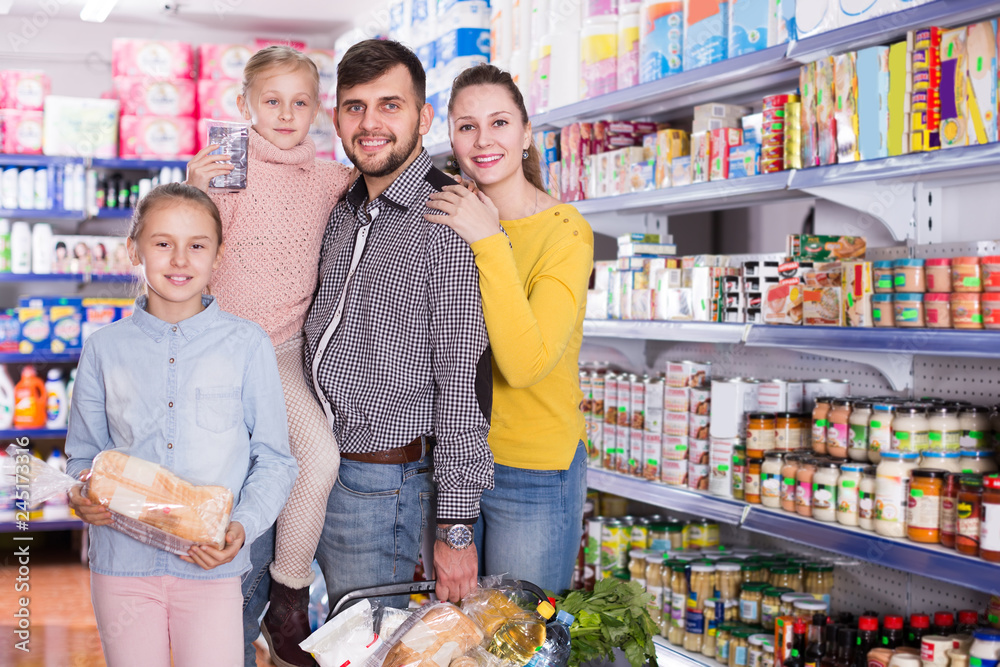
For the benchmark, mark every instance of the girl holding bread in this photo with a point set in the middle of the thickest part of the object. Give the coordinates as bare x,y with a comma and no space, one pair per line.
195,390
274,230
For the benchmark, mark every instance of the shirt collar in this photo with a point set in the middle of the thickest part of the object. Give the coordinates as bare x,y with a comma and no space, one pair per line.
156,328
403,192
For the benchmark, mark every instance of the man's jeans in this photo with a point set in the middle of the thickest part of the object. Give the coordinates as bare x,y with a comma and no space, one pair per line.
256,590
531,523
374,520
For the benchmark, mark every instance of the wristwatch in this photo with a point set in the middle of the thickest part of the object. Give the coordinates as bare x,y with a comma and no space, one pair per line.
457,537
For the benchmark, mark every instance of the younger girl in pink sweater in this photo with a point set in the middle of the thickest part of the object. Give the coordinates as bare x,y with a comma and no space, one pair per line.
273,231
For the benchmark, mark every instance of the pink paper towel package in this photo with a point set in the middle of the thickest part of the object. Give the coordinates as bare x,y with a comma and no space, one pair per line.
144,96
157,136
24,89
20,132
217,99
151,57
222,61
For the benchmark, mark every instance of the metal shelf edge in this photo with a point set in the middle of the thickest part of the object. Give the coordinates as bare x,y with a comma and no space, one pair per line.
953,343
695,332
929,561
672,655
675,498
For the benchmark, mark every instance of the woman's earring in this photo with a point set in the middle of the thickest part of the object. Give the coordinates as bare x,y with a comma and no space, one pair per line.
524,155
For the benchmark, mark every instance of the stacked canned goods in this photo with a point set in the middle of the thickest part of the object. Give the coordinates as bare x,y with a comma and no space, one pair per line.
686,419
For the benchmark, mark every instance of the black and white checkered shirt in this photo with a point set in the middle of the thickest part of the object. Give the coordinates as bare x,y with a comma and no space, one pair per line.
403,350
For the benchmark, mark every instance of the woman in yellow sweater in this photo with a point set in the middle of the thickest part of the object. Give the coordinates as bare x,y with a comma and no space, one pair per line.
533,276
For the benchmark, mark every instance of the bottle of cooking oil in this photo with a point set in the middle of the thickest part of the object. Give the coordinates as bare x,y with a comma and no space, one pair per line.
519,638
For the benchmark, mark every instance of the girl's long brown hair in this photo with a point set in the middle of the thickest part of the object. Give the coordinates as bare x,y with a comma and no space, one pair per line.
490,75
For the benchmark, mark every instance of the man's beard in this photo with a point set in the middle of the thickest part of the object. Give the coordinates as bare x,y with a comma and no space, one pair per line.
394,160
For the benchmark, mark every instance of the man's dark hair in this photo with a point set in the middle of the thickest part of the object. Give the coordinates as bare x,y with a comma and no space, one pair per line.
368,60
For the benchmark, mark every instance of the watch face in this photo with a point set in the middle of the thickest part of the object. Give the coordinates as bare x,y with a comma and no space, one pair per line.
459,536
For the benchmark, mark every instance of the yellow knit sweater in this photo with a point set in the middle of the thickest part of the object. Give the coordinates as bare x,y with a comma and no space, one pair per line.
534,296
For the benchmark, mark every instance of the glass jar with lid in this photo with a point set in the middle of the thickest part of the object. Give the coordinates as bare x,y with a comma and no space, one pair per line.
752,489
770,479
789,470
675,533
880,430
824,499
837,430
729,580
753,572
820,423
654,584
978,461
787,431
857,433
714,617
803,487
678,601
944,430
975,423
637,566
760,433
923,511
751,597
788,576
755,649
883,277
989,530
969,510
938,271
910,430
722,638
768,660
891,484
770,606
848,490
909,275
950,461
866,498
788,601
701,588
819,578
808,608
739,647
966,275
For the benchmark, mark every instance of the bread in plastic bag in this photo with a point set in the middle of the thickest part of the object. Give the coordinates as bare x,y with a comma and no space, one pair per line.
43,481
155,506
347,639
431,637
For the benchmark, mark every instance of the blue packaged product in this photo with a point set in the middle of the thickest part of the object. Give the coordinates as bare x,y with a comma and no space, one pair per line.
426,54
461,43
873,102
706,32
661,40
10,331
744,160
748,25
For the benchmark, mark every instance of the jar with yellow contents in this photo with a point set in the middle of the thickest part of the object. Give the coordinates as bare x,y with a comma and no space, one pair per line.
678,602
788,576
819,578
701,588
722,639
770,606
739,647
714,617
751,597
753,572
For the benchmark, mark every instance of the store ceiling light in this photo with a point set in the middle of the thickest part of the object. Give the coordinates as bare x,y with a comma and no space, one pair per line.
96,11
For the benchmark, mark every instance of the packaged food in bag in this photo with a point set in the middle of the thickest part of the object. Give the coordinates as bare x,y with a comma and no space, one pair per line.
233,139
347,639
20,470
155,506
431,637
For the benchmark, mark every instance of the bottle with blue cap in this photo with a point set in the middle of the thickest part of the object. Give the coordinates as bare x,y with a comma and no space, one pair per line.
555,651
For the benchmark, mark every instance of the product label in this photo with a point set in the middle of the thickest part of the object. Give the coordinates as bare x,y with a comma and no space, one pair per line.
945,441
948,515
973,440
890,499
847,498
770,486
836,435
824,496
858,437
803,494
657,593
866,505
923,511
819,431
879,438
989,530
788,489
910,441
741,656
752,485
967,525
748,611
695,622
678,604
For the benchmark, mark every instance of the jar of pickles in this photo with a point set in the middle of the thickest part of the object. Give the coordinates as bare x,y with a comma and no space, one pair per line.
714,617
819,578
788,601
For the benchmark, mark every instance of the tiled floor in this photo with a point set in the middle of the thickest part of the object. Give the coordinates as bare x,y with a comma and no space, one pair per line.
63,628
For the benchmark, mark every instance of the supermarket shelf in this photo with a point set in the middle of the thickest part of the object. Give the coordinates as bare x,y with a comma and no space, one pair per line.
66,277
41,214
42,357
126,163
36,433
669,655
11,160
745,75
114,213
944,342
43,525
672,497
681,332
931,561
891,28
715,195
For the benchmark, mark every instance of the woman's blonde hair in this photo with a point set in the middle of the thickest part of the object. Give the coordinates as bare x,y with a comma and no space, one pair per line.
278,57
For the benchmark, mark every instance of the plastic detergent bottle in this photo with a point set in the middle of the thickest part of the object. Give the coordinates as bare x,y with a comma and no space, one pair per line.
6,399
519,638
56,405
29,400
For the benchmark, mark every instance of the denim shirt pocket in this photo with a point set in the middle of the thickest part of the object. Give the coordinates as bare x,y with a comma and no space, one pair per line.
218,409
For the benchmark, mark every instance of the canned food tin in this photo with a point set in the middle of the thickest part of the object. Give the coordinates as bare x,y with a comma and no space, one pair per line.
651,455
625,399
655,389
674,473
597,381
677,399
611,398
676,374
624,449
675,423
779,101
586,388
674,448
698,451
698,373
609,447
596,458
698,426
701,400
698,476
637,402
635,450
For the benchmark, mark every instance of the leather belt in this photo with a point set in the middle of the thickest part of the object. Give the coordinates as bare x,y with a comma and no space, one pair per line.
411,453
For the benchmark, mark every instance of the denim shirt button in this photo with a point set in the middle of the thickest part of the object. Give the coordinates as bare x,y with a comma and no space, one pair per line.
170,445
170,404
171,360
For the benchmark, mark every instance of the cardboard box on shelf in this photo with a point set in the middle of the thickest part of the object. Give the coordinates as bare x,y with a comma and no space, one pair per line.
925,111
982,59
900,88
165,59
783,303
826,129
79,126
681,171
749,25
744,160
670,144
820,248
846,106
808,120
158,136
719,144
873,102
955,88
706,32
857,294
701,156
822,306
24,89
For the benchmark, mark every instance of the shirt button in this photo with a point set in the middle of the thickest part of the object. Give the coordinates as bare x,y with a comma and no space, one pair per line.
557,213
171,360
174,329
565,219
576,233
170,445
170,404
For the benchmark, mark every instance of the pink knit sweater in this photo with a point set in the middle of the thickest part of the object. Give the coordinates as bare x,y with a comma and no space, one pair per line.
273,231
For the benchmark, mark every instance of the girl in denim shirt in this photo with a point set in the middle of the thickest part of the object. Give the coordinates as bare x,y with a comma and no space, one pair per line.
195,389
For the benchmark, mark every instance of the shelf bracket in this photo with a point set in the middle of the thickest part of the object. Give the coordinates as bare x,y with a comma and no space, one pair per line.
891,204
897,368
929,222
